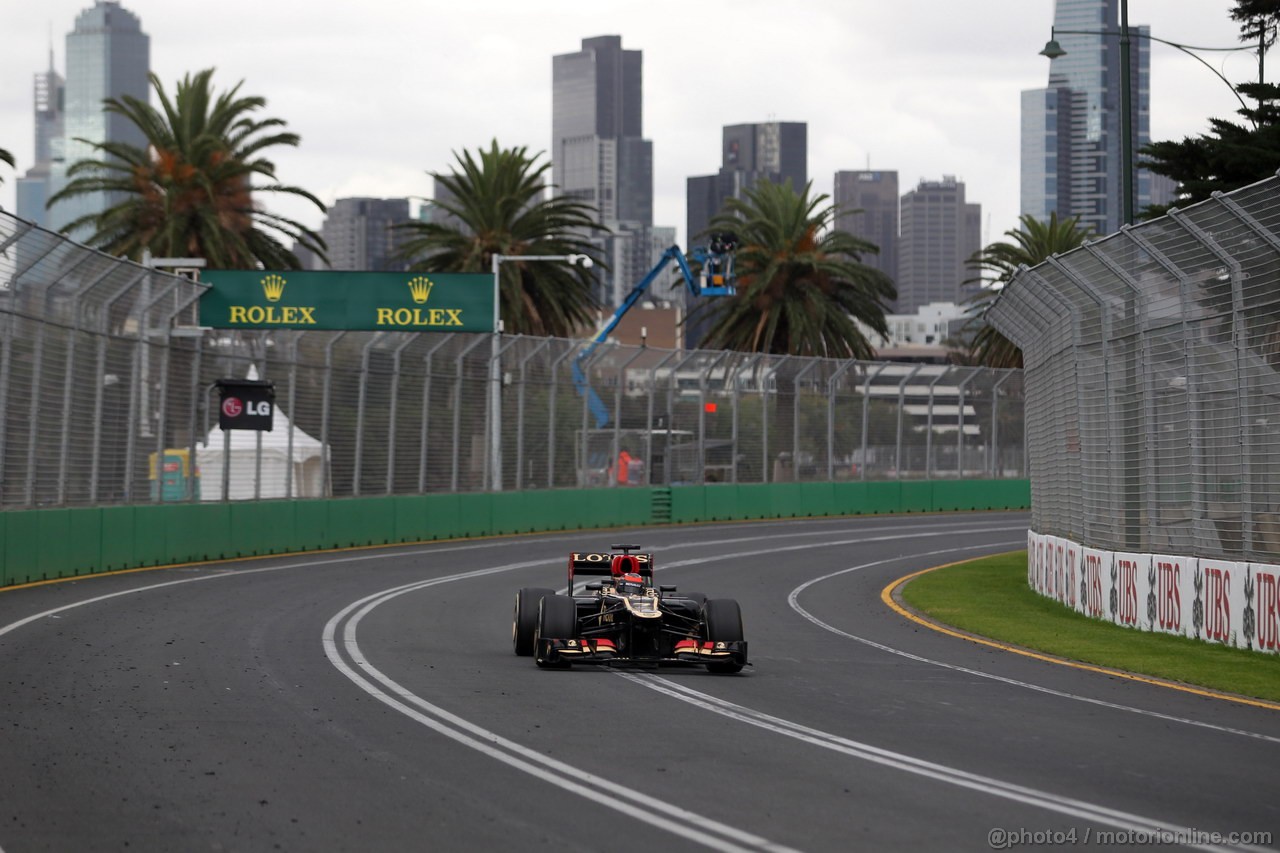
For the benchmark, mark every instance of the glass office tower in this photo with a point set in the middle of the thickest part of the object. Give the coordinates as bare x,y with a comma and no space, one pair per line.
1071,129
108,56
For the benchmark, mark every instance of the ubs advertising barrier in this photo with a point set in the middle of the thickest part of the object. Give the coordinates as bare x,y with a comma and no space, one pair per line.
333,300
1220,601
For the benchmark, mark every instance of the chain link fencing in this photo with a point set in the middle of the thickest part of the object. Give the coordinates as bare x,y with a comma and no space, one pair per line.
1153,398
108,395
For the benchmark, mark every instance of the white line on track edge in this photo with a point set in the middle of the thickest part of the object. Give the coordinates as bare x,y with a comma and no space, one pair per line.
663,815
793,601
899,761
487,741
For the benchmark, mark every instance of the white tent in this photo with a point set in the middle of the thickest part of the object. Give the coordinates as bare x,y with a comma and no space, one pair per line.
292,463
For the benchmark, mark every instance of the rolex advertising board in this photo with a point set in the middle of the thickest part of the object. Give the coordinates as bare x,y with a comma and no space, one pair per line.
333,300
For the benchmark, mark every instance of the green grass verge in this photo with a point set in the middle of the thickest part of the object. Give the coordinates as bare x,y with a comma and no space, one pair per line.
990,597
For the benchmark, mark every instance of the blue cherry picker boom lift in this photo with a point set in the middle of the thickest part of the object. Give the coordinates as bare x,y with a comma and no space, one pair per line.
715,278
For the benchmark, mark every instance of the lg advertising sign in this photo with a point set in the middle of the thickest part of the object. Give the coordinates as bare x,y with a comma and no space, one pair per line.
246,404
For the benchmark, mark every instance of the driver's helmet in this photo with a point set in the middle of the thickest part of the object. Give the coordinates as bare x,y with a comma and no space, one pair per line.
630,584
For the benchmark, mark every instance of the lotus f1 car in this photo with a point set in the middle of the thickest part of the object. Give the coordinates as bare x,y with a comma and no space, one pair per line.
624,619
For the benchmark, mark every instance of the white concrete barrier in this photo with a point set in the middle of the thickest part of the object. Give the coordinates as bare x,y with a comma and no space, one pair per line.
1219,601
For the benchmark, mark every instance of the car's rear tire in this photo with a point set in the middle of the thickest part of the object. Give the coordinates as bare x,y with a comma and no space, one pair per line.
724,625
557,620
524,622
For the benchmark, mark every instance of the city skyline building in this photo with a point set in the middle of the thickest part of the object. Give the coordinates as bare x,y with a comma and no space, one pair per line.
359,233
940,231
1071,129
107,56
32,191
770,151
868,204
599,155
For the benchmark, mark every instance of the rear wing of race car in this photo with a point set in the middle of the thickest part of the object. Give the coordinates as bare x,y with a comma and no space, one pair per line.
592,563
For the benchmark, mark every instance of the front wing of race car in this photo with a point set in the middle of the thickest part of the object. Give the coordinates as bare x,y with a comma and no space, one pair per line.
619,636
603,650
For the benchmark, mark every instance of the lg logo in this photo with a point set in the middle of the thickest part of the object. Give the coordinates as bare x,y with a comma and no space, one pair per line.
233,407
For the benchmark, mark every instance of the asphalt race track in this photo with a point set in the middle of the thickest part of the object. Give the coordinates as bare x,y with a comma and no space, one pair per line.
370,701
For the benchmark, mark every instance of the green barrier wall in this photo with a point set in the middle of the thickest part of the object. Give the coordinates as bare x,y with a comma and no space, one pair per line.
44,544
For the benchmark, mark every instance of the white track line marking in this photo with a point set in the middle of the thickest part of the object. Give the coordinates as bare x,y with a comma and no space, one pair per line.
643,807
793,601
518,756
691,832
920,767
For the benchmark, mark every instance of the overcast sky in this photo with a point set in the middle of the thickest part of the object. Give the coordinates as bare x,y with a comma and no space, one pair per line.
383,91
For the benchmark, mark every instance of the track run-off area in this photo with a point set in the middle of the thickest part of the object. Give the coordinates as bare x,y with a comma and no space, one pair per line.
370,700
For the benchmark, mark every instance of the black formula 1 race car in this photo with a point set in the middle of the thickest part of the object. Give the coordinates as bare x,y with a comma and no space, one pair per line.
624,619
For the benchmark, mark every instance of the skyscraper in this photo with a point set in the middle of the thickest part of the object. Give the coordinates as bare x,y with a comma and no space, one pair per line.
33,187
869,204
359,234
1071,130
108,56
775,151
599,154
771,151
940,232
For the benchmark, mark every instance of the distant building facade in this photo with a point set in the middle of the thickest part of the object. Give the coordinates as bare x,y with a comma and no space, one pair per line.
1071,129
48,106
599,155
868,202
919,336
772,151
359,233
108,56
940,231
769,151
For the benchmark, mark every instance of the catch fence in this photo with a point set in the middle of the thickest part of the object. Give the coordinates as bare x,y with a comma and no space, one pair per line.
1153,398
108,395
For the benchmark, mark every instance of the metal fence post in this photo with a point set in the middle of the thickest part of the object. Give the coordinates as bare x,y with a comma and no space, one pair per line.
653,387
795,419
457,408
769,373
866,416
325,409
1191,376
520,396
1135,533
428,367
33,414
408,338
617,412
996,470
360,406
902,393
551,421
68,377
736,398
702,414
832,386
585,446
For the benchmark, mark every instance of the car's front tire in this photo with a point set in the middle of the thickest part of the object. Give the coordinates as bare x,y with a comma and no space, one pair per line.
557,620
524,622
724,625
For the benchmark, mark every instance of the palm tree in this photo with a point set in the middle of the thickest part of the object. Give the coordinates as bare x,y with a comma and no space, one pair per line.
494,204
5,157
189,192
800,283
1034,243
